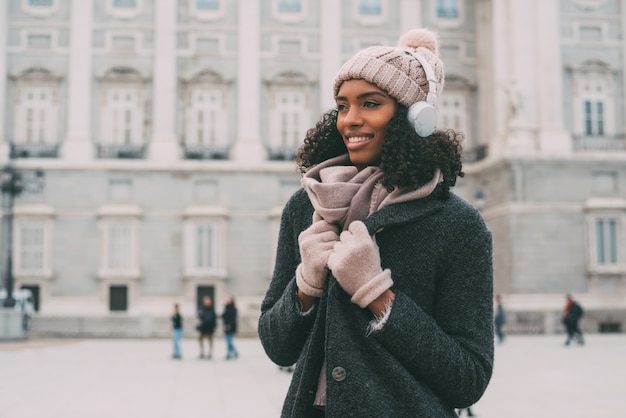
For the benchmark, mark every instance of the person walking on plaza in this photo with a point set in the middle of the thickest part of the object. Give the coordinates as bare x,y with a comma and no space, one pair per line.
229,318
468,410
499,319
177,331
382,289
206,327
571,317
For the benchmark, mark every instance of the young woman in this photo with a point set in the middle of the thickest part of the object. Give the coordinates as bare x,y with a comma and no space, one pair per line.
382,289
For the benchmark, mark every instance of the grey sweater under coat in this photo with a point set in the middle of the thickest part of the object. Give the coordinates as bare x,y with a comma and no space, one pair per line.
434,354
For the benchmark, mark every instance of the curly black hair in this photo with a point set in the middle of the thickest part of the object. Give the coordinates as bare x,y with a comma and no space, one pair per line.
408,160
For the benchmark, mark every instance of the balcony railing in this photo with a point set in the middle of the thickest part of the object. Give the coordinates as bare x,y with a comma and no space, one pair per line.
34,150
475,154
616,142
130,151
281,153
205,152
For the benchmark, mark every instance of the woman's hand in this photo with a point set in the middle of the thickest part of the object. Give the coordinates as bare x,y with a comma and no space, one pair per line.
316,243
355,263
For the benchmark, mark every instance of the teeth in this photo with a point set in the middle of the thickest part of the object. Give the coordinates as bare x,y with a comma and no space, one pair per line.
357,139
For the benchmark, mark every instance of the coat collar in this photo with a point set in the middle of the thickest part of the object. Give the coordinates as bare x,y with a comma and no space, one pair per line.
406,212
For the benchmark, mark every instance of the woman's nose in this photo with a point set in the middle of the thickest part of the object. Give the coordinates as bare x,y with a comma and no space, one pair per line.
353,117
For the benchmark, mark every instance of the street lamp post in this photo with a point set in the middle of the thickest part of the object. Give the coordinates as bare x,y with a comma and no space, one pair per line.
12,184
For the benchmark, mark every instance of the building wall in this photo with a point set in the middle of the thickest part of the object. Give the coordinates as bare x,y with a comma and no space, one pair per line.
543,181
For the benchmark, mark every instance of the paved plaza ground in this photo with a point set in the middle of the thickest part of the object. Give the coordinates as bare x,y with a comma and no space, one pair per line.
534,376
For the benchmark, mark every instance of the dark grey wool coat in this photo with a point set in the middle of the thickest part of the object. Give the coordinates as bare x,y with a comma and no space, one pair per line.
434,353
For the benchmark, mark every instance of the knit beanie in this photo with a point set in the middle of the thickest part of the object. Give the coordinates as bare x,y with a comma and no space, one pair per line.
394,69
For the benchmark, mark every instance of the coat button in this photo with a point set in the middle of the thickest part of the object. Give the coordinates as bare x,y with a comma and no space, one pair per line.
339,374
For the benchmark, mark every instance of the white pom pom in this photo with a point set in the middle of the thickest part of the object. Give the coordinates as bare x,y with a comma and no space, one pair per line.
417,38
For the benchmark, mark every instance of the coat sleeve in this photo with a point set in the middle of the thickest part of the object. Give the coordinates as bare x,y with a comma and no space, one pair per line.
283,329
450,349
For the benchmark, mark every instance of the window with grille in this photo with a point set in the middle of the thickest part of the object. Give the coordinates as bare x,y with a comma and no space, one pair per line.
30,247
122,116
289,6
206,119
207,4
119,245
36,115
594,105
370,7
126,4
453,112
447,9
594,117
40,3
606,241
289,121
202,246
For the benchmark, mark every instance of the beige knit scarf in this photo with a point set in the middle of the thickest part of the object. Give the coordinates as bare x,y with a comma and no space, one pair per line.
340,194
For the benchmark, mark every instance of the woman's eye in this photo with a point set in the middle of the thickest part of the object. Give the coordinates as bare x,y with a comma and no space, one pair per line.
370,104
341,107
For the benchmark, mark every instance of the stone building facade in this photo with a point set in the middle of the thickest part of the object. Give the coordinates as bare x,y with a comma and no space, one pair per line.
167,129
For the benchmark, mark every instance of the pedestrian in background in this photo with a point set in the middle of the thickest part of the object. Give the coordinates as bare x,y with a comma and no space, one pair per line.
206,327
382,292
229,318
177,331
571,317
499,319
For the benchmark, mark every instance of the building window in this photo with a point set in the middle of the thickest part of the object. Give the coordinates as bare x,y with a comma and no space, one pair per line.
31,251
206,117
370,7
119,247
452,109
206,121
40,7
207,4
594,118
289,115
36,115
35,121
606,235
289,6
126,4
593,104
124,9
122,116
447,9
203,243
606,241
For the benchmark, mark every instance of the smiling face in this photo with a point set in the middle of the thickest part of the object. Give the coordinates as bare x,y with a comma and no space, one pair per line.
364,111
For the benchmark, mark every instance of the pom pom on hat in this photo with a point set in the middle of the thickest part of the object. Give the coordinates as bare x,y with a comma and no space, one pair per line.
394,69
420,38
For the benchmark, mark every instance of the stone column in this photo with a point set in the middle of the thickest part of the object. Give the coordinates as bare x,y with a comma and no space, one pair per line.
521,86
4,145
164,145
78,145
553,138
248,147
330,51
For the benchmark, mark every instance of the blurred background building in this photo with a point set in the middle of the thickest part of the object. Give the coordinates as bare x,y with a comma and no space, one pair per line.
167,130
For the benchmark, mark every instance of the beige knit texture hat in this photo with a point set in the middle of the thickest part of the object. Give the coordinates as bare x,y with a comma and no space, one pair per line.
394,69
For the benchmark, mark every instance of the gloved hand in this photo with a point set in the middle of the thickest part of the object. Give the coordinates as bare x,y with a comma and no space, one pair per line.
316,243
355,263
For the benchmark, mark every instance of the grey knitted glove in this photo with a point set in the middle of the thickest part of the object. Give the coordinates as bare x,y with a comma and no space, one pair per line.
355,263
316,242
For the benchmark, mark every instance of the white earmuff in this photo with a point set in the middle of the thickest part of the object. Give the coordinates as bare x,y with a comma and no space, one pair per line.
423,115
